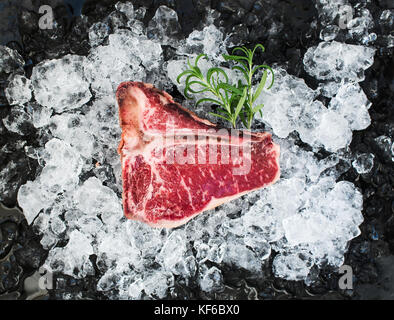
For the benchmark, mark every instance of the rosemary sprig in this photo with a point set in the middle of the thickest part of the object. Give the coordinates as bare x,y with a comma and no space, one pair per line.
234,101
216,82
248,70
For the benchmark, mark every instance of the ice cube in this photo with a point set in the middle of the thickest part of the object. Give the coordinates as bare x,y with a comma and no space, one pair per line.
242,257
97,33
386,145
173,251
260,246
18,121
352,103
30,200
10,60
329,33
126,8
156,284
61,84
18,90
107,66
310,223
58,226
335,61
73,129
363,163
108,281
291,267
164,27
209,40
211,280
40,115
359,26
333,132
93,198
135,289
73,259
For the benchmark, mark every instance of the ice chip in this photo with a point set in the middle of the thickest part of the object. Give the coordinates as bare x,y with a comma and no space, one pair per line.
10,60
126,8
291,267
334,61
173,250
156,284
61,84
363,163
18,90
209,40
40,115
329,33
333,131
18,121
352,103
30,200
164,26
385,144
135,289
211,280
97,33
73,259
310,223
93,198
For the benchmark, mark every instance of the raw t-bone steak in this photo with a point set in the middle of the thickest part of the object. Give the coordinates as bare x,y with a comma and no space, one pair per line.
176,165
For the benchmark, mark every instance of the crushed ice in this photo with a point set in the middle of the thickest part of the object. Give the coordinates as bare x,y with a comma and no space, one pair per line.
306,219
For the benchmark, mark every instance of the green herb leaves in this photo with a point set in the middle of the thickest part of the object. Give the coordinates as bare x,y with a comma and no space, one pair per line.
234,101
215,82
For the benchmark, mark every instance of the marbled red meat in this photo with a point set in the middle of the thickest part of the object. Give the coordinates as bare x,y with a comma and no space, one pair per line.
176,165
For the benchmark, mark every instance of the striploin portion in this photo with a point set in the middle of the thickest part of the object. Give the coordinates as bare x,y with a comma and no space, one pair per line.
176,165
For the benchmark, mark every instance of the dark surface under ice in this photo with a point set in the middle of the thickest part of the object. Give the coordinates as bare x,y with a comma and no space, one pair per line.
370,254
